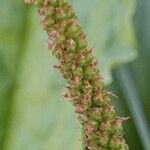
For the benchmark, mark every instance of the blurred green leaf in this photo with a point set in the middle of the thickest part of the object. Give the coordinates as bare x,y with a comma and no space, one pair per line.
141,66
134,103
136,82
11,27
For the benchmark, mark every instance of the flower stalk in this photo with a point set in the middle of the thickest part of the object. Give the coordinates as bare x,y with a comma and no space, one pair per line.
102,126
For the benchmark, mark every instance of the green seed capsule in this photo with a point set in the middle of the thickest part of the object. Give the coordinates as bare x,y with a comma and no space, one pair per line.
78,71
73,29
70,12
116,142
60,39
103,139
60,14
82,44
94,123
39,3
50,11
108,112
66,69
89,72
95,114
49,22
106,127
61,3
61,26
92,144
54,2
117,127
70,45
87,59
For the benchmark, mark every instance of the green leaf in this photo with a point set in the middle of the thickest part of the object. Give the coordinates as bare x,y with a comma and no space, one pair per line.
11,27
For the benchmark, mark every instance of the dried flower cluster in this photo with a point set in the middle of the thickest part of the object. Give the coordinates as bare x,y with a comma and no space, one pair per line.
102,127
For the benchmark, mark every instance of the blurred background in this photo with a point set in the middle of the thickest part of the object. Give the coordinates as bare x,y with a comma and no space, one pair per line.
33,113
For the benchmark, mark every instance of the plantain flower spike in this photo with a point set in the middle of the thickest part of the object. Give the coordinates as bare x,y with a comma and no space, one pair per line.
102,127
